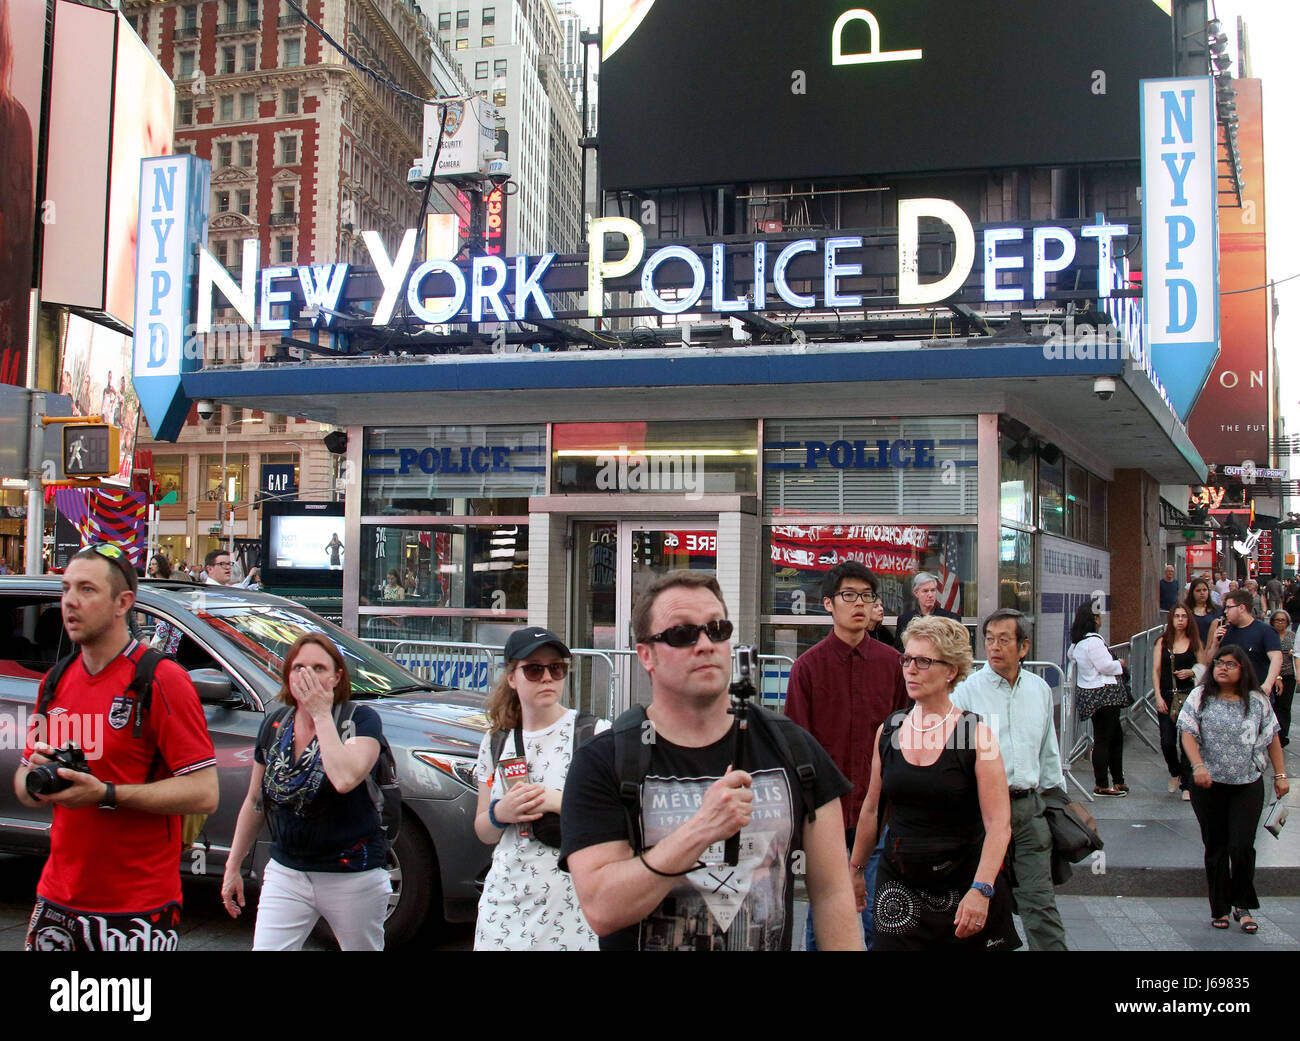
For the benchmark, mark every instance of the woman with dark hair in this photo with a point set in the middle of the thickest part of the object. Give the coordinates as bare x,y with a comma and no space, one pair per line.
328,846
1176,658
528,903
1281,621
1101,698
876,627
1230,736
1202,607
159,566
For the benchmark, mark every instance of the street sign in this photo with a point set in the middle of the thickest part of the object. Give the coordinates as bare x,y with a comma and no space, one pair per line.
90,450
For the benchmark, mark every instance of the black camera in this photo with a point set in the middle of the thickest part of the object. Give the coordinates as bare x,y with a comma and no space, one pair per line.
45,779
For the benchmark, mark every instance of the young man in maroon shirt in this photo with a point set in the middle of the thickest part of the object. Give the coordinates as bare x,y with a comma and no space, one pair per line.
841,691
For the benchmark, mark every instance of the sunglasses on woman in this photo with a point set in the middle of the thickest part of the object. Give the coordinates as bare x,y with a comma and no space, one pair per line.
686,634
533,671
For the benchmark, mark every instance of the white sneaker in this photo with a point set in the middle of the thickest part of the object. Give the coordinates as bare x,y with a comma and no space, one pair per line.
1187,796
1173,785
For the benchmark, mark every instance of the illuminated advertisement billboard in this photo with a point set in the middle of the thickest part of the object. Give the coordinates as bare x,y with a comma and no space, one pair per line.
22,49
111,105
96,367
1230,421
766,90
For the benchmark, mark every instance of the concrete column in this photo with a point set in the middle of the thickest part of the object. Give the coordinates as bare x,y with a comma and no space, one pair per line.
548,572
988,537
738,572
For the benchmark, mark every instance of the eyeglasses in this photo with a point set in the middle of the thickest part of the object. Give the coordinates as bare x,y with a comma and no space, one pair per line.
1226,663
920,661
221,563
687,635
999,641
850,596
533,670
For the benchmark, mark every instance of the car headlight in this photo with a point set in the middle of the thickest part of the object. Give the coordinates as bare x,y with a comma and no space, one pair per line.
457,767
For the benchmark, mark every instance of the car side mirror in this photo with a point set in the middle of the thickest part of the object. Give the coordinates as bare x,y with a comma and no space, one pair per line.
213,685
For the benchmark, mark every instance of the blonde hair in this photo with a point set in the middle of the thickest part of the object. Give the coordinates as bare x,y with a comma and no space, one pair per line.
950,639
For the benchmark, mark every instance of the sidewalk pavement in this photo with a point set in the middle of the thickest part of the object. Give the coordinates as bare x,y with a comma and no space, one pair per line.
1153,843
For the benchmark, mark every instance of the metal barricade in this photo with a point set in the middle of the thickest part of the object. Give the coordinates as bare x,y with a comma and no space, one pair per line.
473,666
597,685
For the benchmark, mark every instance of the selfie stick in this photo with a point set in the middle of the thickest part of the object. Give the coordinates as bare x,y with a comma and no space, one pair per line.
741,691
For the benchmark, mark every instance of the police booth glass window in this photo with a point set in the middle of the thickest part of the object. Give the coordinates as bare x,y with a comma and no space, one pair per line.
445,530
832,491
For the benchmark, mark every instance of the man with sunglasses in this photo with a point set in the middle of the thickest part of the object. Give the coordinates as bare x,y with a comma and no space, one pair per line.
112,879
1017,706
841,690
674,889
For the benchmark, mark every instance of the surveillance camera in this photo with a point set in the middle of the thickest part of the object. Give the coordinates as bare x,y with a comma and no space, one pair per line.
497,167
207,409
1104,388
417,176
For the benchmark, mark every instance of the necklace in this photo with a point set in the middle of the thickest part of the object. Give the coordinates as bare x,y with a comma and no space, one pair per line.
936,726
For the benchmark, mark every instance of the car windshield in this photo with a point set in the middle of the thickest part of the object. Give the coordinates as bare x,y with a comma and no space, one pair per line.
265,632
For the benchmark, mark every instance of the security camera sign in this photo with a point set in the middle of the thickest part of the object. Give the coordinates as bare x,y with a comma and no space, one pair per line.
468,134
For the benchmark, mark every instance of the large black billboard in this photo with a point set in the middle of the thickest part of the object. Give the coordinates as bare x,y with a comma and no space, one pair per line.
727,91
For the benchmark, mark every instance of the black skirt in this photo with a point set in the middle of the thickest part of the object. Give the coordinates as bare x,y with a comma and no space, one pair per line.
912,915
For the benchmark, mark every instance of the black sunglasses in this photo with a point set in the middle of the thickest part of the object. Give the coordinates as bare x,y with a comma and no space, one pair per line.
687,635
533,670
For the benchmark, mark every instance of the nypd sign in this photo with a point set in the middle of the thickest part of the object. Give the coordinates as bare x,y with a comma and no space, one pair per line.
1180,258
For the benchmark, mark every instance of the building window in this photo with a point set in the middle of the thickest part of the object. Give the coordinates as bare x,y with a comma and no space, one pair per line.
184,148
223,154
444,21
480,70
499,67
462,19
228,487
290,107
247,106
292,52
246,152
185,112
227,59
226,108
489,16
287,196
190,17
489,41
251,8
186,65
250,57
223,201
462,44
244,198
284,250
288,150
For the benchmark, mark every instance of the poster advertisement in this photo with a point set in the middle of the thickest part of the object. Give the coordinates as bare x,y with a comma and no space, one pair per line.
1072,574
96,361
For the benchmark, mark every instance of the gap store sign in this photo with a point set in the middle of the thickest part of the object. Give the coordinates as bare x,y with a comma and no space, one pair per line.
1180,234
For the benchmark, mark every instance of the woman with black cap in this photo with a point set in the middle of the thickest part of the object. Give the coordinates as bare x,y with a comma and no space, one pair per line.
528,903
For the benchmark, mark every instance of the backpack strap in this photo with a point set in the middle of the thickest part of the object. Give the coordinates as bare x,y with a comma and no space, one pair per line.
631,764
792,743
271,727
50,685
584,729
142,684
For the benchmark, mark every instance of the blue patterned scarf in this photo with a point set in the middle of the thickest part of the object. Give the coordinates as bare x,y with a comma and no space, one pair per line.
293,783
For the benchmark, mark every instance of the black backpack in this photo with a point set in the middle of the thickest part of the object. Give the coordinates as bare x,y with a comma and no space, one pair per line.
142,686
546,829
381,783
632,763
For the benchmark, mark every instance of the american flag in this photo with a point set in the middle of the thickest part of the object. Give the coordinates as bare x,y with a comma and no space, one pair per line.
949,582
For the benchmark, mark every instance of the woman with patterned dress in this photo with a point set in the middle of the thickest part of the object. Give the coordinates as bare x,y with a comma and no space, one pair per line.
528,903
1230,737
940,779
1281,621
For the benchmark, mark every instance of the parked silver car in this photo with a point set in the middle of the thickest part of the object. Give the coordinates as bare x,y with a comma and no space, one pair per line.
232,645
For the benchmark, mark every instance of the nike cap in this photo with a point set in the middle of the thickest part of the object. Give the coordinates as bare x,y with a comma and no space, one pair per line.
524,641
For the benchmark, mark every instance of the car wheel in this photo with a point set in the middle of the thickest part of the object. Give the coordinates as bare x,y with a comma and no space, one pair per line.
413,869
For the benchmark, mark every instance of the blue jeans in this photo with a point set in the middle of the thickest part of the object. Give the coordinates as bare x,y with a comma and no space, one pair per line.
869,876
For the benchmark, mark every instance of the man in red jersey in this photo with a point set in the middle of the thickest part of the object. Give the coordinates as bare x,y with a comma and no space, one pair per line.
112,880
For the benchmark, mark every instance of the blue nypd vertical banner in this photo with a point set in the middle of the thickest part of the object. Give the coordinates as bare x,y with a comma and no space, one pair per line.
1180,234
173,220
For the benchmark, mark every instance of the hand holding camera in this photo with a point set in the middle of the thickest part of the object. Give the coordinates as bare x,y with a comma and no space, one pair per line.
62,776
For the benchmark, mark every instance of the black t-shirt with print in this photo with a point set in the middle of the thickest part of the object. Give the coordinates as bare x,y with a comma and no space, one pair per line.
746,907
1256,639
336,832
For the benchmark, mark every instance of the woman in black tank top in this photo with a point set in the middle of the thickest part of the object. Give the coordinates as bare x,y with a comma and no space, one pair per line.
939,776
1173,675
